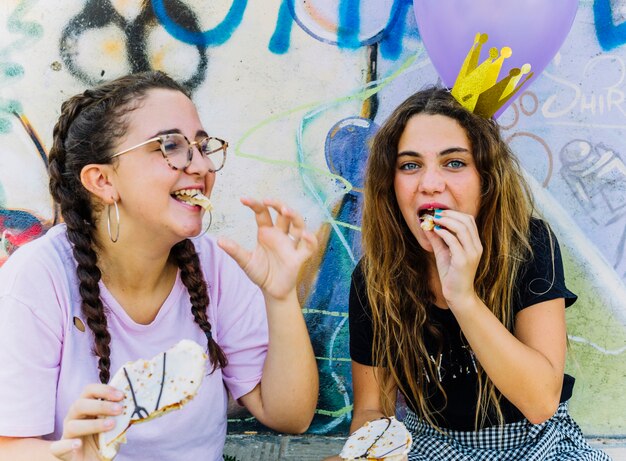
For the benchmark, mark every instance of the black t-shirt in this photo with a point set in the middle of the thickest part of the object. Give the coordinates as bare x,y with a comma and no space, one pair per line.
540,280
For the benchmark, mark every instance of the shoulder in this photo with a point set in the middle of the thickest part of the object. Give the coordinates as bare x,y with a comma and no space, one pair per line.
38,283
357,274
46,259
542,277
545,249
541,237
359,307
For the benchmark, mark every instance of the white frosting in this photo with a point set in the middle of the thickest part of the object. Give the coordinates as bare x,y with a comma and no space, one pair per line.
185,366
393,444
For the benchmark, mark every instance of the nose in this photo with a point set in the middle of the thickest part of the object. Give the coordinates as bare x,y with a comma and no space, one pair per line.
431,181
199,164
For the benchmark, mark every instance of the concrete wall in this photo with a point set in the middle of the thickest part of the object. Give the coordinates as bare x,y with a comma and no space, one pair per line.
298,87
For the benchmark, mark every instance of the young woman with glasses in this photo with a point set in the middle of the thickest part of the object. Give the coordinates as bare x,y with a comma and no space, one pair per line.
126,277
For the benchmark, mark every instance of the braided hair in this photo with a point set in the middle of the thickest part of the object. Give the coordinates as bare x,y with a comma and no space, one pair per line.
85,133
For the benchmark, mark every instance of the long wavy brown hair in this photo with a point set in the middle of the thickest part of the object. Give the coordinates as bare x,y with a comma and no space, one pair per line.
394,264
86,132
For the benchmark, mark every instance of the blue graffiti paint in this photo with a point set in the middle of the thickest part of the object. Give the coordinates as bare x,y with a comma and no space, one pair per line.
30,32
349,27
8,107
216,36
391,43
12,70
281,38
349,24
346,154
609,35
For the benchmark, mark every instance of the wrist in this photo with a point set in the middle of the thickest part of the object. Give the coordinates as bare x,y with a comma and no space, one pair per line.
464,302
286,299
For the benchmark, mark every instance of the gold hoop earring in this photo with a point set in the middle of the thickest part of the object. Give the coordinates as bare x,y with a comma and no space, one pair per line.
207,227
117,218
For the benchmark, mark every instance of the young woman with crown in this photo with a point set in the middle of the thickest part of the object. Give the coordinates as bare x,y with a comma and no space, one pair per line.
465,320
131,272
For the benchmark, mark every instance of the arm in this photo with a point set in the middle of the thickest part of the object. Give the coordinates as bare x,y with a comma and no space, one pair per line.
527,366
368,404
286,397
81,426
25,449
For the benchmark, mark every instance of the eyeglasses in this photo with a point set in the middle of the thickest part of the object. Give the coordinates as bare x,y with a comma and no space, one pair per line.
177,150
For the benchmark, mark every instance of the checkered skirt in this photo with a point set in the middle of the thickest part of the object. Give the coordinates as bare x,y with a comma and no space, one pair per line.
559,438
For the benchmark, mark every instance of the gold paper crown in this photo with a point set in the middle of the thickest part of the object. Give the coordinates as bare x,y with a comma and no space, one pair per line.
476,87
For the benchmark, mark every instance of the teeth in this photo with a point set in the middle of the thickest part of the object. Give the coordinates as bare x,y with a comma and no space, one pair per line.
188,192
426,212
194,197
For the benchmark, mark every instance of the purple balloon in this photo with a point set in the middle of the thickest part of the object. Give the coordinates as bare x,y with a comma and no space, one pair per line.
533,29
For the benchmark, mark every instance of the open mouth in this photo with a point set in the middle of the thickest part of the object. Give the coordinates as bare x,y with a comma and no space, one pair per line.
193,197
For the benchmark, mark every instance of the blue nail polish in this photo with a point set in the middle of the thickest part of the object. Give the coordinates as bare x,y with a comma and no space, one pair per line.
438,227
438,213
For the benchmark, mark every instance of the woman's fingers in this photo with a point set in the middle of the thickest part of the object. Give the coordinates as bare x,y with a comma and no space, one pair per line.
298,227
307,245
261,212
83,427
102,391
92,407
84,416
287,220
65,448
464,229
94,399
235,251
283,214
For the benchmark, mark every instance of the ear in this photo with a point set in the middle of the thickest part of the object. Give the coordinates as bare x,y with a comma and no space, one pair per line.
97,180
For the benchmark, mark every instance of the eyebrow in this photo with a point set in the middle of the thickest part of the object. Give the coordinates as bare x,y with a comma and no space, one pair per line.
448,151
199,133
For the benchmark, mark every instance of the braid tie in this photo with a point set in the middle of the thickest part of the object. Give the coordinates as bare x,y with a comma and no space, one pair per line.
188,262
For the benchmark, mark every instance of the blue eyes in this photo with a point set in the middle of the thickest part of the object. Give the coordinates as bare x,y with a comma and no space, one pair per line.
409,166
453,164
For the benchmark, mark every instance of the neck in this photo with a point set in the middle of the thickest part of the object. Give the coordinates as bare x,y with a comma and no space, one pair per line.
133,270
139,274
136,261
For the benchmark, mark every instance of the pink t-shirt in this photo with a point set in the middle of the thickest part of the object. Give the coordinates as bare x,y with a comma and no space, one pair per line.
45,361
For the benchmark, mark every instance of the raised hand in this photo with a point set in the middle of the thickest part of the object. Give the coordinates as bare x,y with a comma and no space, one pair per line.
282,247
84,421
457,250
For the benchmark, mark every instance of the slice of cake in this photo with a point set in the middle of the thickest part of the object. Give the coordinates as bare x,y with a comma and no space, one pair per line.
384,439
152,388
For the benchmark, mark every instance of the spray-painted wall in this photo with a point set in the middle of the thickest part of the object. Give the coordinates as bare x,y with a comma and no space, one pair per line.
298,87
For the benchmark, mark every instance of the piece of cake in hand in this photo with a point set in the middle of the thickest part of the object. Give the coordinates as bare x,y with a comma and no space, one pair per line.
152,388
385,439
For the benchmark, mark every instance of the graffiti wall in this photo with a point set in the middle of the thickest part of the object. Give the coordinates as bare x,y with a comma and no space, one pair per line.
298,87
